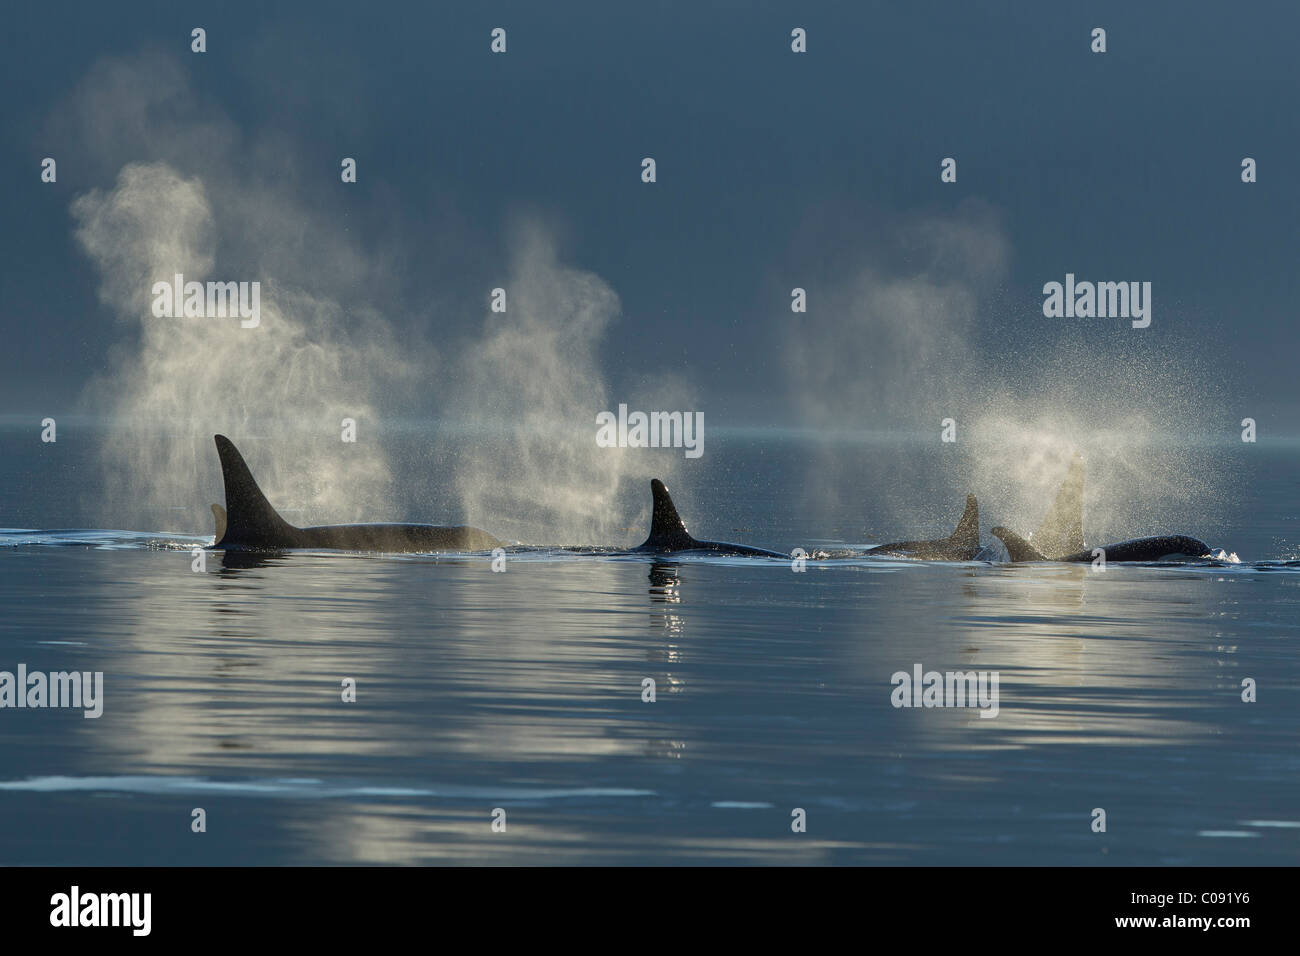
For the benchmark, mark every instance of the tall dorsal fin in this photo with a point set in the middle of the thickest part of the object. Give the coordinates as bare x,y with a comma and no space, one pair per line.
250,519
667,532
219,519
1018,549
1061,532
967,534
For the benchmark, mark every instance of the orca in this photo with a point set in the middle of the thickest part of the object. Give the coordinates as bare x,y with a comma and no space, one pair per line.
1060,537
251,524
1155,548
668,533
962,545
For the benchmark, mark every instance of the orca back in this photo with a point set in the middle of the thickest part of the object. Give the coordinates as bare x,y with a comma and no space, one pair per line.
668,531
1153,548
962,545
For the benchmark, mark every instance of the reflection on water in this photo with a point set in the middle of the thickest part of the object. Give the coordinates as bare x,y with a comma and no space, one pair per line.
525,690
235,561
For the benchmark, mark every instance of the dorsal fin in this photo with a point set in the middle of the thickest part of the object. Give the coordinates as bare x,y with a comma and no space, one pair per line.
1061,532
250,519
667,532
1018,549
219,519
967,534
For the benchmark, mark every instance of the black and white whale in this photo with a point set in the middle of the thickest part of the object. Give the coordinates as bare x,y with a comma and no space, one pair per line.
1160,547
1061,531
1060,537
251,524
962,545
668,533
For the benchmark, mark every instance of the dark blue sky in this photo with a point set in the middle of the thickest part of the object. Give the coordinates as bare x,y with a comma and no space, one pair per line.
775,169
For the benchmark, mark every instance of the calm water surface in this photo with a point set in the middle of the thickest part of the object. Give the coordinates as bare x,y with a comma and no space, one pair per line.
523,691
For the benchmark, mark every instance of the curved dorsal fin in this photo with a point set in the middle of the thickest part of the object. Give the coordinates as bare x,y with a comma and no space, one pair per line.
250,519
1061,532
967,534
1018,549
667,532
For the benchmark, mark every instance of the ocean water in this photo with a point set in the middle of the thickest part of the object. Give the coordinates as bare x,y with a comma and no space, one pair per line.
519,695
